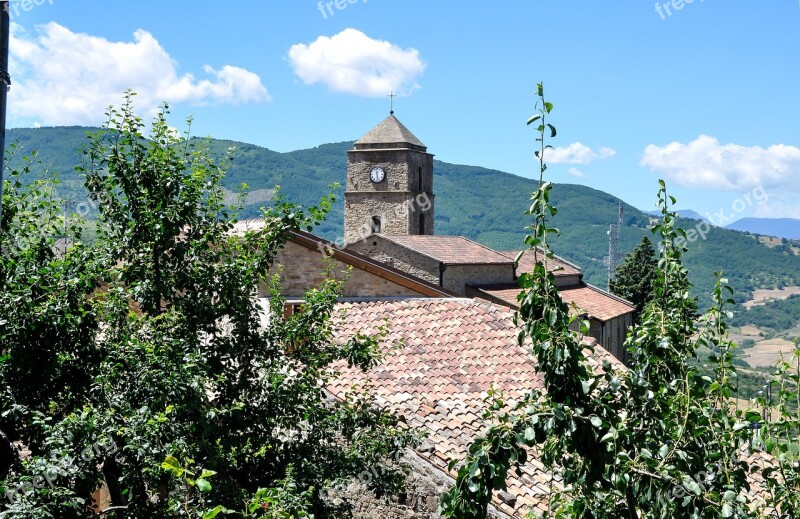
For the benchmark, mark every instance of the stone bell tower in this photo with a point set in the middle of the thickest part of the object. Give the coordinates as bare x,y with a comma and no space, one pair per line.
389,184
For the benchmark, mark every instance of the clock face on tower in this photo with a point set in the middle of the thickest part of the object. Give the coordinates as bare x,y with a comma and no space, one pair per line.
377,174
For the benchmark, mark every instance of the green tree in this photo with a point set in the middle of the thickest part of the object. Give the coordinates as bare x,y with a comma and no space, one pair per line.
635,278
659,440
162,375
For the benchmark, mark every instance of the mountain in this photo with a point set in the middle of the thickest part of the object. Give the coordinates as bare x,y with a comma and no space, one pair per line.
683,213
788,228
483,204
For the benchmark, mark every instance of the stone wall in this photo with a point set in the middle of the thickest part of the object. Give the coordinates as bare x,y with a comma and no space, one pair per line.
396,200
392,208
454,277
401,167
302,270
399,257
457,277
420,499
567,281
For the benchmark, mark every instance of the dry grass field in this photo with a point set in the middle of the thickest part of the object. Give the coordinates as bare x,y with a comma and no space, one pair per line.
767,352
774,242
746,332
762,296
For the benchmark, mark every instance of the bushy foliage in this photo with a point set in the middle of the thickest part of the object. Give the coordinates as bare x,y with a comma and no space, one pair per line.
146,363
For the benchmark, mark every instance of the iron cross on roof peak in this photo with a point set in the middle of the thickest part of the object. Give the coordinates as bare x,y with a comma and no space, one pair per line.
391,97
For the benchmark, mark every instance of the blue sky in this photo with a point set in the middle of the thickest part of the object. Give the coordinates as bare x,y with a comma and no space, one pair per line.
705,95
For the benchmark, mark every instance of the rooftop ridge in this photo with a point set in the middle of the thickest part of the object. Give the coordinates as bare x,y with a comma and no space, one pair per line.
409,241
389,131
611,295
507,253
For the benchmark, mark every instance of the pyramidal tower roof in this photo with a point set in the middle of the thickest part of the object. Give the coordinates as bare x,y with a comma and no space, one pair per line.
390,133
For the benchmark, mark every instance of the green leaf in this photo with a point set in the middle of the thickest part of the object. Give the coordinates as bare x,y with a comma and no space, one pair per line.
534,118
693,487
203,485
207,473
738,426
218,510
663,451
173,465
530,434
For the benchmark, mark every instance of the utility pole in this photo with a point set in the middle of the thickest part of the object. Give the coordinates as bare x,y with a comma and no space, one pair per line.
5,84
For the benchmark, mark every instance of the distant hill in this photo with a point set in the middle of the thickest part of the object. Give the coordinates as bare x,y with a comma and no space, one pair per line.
788,228
683,213
483,204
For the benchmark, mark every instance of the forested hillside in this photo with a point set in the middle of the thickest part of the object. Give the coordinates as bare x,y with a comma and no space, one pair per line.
483,204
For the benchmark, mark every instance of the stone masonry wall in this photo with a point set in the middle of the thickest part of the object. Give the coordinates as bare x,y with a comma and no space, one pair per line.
456,277
398,257
420,499
302,269
409,174
565,281
359,208
401,167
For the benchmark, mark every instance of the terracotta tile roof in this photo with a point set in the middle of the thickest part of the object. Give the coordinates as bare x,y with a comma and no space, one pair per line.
450,250
597,303
594,302
526,263
449,352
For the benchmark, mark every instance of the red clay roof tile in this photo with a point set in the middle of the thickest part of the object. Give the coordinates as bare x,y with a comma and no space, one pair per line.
450,250
450,352
559,266
590,300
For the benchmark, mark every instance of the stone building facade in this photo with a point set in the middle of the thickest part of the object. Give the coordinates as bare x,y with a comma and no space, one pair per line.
306,260
452,262
389,186
302,269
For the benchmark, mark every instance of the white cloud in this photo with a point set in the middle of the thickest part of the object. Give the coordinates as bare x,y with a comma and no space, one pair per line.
353,63
704,163
577,153
779,207
62,77
575,172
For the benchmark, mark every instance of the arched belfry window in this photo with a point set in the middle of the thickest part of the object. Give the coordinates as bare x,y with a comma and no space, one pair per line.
422,224
377,225
419,171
